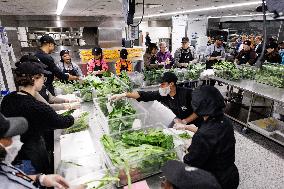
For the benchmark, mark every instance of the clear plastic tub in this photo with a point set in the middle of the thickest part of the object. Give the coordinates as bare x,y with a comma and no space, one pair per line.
148,165
115,125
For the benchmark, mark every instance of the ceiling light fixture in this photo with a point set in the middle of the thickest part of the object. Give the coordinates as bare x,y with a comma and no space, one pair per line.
60,6
241,15
202,9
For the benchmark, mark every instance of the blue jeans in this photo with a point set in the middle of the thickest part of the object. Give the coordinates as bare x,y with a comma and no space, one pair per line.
26,166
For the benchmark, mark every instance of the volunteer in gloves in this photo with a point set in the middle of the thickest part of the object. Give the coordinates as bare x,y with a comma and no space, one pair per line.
45,96
29,78
176,98
97,66
213,145
10,144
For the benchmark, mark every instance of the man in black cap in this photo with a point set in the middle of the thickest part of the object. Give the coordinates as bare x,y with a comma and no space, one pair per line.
176,98
184,55
181,176
215,52
10,144
247,55
213,145
47,47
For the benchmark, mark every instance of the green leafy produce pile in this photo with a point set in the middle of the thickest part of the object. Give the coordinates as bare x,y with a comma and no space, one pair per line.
67,88
271,74
248,72
152,76
80,124
227,70
141,156
193,71
120,118
125,79
69,112
184,135
104,182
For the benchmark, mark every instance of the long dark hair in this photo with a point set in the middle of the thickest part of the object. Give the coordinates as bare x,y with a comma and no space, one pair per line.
3,153
151,47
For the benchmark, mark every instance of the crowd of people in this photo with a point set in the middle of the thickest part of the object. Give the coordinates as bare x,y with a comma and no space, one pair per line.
210,162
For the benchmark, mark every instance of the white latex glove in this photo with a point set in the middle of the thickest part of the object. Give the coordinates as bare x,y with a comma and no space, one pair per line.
76,114
53,180
218,57
75,105
75,100
117,96
179,126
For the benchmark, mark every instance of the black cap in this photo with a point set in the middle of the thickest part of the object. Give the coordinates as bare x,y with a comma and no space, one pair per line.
169,77
31,68
12,126
63,52
97,51
29,58
46,39
185,40
272,45
185,177
219,38
247,42
123,53
207,101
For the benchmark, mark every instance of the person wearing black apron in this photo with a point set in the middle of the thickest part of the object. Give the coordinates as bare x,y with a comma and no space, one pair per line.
150,58
123,64
247,55
97,66
214,53
68,67
183,55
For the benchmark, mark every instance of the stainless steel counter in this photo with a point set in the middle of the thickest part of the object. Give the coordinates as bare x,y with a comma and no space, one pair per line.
269,92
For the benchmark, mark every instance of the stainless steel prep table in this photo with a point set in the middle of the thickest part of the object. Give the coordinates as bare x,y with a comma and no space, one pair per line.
256,89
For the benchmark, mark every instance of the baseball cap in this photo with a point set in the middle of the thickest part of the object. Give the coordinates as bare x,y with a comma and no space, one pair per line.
186,177
32,68
272,45
247,42
31,58
97,51
46,39
168,77
12,126
123,53
63,52
184,40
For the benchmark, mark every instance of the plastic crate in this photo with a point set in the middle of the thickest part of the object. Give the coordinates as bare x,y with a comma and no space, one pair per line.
148,165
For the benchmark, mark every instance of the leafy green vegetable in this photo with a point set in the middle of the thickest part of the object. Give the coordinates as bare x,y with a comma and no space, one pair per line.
193,71
184,135
271,74
248,72
152,76
80,124
69,112
137,158
121,116
227,70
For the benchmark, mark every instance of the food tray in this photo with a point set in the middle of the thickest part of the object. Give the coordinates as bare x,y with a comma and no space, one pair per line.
267,126
144,167
115,125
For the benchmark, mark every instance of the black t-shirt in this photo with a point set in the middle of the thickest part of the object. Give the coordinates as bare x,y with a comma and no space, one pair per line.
51,66
180,104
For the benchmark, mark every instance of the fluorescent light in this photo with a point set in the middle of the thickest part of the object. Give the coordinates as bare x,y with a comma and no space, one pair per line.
60,6
242,15
203,9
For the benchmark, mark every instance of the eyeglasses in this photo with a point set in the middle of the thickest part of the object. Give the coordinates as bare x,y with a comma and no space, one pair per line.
44,78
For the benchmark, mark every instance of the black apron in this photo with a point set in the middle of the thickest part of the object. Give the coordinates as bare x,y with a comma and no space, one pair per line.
210,63
245,58
71,72
98,68
153,60
186,56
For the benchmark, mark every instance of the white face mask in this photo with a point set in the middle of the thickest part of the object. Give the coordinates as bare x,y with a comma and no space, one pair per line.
164,91
13,149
